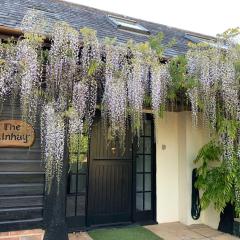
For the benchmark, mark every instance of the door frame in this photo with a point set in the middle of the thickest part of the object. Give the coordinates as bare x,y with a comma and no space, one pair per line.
141,217
146,217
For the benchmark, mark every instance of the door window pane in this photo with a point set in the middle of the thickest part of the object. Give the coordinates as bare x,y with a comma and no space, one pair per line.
70,206
72,188
148,163
82,166
148,201
80,205
139,201
140,146
148,128
139,182
81,183
73,164
148,182
148,145
139,163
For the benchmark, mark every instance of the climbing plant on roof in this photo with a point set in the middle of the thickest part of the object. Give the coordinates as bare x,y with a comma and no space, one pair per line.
77,73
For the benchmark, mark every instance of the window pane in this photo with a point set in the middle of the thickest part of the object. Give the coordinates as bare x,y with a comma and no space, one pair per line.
148,201
148,145
82,166
73,164
78,143
148,128
148,182
80,205
148,163
72,186
81,183
139,163
140,145
139,182
139,201
70,206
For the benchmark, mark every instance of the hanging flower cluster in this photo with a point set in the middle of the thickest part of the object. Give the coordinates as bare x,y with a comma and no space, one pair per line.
137,76
159,85
62,65
115,93
203,66
80,91
90,59
8,68
52,140
29,76
34,22
20,73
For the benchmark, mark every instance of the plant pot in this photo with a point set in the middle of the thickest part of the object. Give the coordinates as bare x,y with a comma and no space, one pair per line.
236,227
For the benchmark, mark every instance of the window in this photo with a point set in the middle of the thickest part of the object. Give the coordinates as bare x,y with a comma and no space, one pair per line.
128,24
144,168
77,175
199,39
204,39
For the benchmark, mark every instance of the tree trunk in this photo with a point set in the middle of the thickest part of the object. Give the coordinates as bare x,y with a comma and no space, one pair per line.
55,203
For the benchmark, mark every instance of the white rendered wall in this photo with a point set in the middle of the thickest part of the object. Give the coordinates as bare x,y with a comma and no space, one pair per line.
167,168
177,143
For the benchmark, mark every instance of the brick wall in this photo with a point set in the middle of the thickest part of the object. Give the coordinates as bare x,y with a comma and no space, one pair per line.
35,234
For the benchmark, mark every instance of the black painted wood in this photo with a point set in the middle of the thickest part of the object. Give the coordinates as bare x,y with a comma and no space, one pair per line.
21,154
21,201
22,189
22,224
7,214
110,180
27,166
21,180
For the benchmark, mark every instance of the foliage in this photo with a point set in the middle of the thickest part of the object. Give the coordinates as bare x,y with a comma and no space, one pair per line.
215,70
214,178
78,147
180,81
159,86
78,71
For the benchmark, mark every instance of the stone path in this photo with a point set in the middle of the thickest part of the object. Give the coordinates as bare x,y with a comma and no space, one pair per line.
178,231
79,236
168,231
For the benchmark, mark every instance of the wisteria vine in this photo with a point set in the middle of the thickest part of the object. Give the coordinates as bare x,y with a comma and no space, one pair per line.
216,93
64,79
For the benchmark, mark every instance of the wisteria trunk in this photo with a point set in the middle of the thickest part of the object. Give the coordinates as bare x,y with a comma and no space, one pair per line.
55,204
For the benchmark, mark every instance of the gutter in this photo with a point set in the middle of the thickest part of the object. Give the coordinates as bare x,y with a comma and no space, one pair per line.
10,31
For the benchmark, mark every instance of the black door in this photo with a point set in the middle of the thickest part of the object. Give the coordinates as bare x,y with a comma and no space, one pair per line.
110,179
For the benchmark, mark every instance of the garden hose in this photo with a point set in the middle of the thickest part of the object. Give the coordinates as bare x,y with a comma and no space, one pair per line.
196,207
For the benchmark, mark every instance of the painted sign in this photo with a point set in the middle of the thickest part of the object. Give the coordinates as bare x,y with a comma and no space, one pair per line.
16,133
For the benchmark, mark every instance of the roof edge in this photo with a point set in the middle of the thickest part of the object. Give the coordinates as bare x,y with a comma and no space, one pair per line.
136,19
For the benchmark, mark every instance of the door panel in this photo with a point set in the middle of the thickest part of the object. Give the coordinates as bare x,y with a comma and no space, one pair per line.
110,179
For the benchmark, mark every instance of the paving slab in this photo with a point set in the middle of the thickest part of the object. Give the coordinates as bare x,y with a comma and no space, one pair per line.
179,231
79,236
